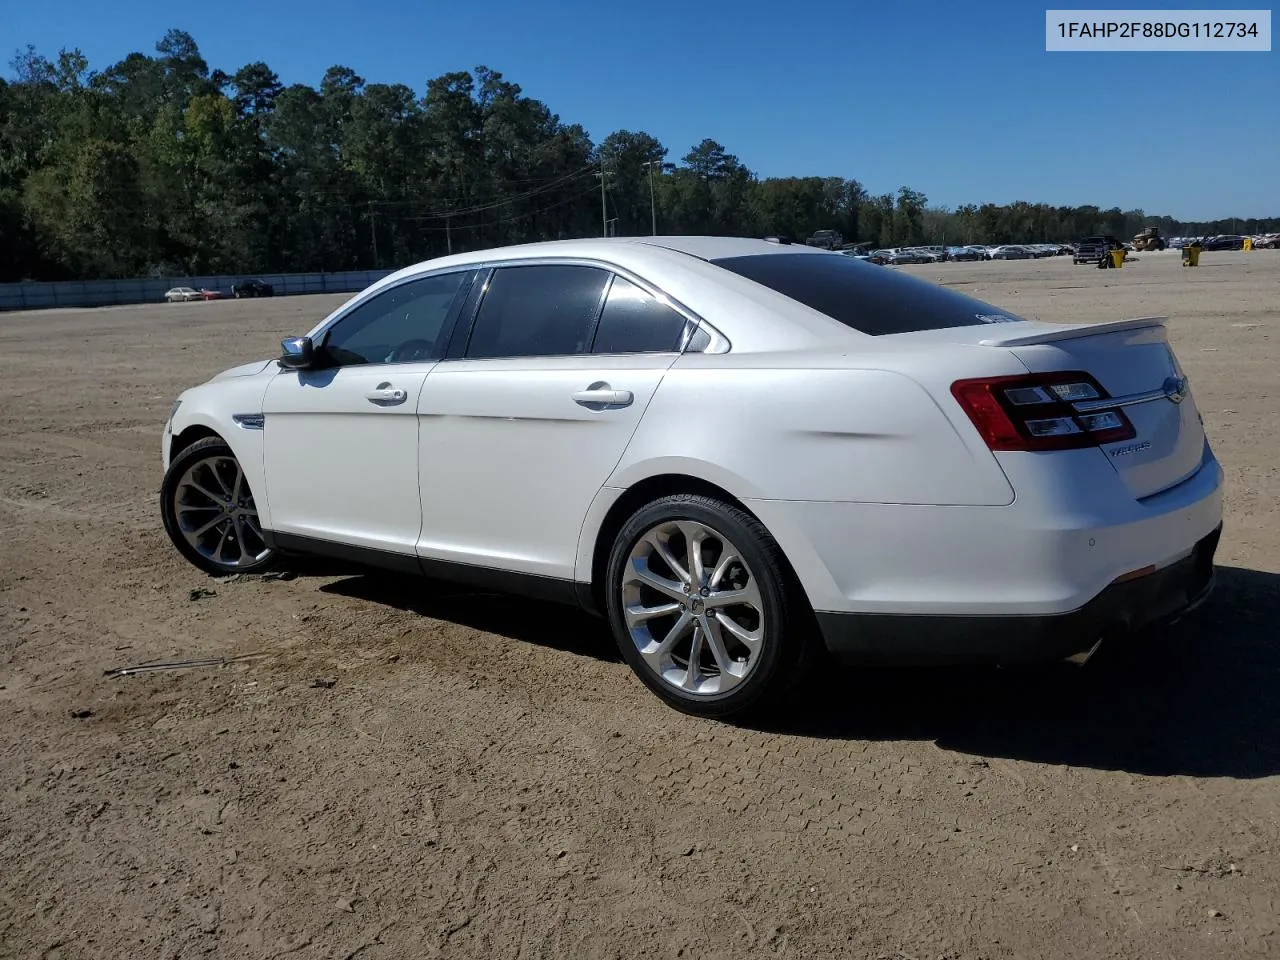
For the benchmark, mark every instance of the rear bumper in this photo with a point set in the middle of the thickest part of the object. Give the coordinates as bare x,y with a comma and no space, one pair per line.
1122,608
1067,537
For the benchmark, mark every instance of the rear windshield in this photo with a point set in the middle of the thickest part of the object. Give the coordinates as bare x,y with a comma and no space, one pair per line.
870,299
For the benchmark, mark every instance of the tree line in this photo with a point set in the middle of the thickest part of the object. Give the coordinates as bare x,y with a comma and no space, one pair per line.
160,166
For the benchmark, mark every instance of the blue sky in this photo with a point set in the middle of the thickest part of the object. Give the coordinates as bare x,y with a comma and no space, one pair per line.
958,100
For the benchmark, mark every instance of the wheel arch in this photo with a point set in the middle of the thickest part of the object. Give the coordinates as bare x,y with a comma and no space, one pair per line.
192,426
198,444
629,500
598,539
191,435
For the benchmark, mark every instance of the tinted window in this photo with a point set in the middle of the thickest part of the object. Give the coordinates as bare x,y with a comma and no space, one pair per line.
864,297
635,322
538,311
400,325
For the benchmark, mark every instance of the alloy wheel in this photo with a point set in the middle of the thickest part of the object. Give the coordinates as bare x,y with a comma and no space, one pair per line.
216,514
693,608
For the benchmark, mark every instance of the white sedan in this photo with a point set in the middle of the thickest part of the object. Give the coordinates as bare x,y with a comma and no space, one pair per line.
742,453
182,294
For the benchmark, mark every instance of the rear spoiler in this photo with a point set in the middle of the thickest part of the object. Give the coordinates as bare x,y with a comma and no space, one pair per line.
1072,331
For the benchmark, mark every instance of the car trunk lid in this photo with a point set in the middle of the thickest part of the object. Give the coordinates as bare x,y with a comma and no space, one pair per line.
1134,363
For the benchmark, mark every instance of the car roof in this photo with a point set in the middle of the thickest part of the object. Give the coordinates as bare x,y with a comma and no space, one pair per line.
715,248
679,266
704,248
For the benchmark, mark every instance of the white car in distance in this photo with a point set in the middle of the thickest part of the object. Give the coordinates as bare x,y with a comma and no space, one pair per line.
182,294
739,452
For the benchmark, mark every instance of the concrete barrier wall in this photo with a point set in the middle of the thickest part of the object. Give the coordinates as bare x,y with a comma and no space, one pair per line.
101,293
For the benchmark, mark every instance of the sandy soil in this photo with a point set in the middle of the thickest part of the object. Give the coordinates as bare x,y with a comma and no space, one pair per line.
483,777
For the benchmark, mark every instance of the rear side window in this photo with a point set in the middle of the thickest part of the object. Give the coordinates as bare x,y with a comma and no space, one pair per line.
635,322
868,298
544,310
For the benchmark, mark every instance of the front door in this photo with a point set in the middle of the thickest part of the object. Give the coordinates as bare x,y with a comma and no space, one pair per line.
341,440
521,430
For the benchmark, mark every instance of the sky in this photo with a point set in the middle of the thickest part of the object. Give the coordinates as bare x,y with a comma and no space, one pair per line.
958,100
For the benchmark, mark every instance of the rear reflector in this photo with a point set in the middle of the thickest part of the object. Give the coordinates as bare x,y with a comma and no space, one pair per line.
1135,574
1036,412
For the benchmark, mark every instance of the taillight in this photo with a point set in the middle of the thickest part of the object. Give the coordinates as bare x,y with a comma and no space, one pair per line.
1037,412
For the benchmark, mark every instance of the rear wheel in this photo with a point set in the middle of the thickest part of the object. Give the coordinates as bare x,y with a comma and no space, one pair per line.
209,512
704,607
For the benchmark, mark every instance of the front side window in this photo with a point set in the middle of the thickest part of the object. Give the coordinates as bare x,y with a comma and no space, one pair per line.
540,310
633,321
400,325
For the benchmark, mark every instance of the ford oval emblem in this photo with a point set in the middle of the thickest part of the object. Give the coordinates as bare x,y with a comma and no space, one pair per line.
1175,389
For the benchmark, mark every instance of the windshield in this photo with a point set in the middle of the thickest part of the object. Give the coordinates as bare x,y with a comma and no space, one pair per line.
866,298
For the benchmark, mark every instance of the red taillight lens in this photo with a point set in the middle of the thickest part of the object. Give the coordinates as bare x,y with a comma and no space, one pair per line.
1037,412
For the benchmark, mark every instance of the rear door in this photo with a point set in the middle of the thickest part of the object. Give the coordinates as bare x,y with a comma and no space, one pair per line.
523,423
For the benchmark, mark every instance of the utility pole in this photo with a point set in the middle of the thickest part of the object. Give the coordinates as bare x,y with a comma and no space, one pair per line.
604,222
373,231
448,234
653,210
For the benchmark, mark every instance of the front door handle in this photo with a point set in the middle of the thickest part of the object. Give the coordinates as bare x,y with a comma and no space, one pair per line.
386,395
600,395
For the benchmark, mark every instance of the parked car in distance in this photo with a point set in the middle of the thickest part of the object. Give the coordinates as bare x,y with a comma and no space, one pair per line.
251,288
911,256
862,255
1011,251
826,239
206,294
1224,242
686,435
966,253
182,294
939,253
1093,249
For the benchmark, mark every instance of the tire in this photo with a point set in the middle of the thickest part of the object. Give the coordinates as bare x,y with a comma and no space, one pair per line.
211,464
776,609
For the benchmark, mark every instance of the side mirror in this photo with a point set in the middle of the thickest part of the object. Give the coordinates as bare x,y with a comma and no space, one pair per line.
297,353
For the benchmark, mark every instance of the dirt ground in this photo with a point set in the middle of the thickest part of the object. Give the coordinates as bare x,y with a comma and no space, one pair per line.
484,778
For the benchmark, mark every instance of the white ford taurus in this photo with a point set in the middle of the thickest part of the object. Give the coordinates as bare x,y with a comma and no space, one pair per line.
736,450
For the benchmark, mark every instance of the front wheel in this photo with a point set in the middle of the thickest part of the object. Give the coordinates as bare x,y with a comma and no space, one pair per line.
704,607
209,512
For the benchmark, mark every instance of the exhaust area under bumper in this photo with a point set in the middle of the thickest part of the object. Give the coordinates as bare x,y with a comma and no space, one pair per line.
1129,605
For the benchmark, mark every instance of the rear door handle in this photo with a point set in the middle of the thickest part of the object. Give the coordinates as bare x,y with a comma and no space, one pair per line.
386,395
602,395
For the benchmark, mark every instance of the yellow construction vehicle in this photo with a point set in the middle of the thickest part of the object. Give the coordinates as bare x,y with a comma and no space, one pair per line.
1149,239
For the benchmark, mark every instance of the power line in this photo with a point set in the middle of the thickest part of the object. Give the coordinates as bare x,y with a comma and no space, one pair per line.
331,194
519,216
480,208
